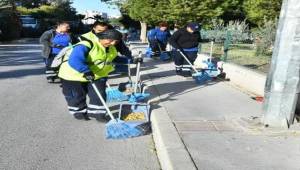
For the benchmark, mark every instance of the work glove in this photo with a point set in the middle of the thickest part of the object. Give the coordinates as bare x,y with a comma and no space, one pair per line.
89,76
137,60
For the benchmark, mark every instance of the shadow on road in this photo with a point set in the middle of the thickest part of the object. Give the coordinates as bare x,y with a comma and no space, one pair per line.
21,73
16,60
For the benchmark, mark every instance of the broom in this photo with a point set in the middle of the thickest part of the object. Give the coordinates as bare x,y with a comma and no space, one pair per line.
127,85
114,95
164,56
136,97
116,128
200,77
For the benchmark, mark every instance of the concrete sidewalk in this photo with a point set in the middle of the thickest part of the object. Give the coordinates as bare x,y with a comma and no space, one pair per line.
205,120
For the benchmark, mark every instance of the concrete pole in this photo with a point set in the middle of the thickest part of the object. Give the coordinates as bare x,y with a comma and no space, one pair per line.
282,86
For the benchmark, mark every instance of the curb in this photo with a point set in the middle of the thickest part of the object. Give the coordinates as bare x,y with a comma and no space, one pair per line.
171,151
245,78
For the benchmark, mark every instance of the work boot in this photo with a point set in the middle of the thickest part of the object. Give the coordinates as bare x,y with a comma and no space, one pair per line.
50,80
187,74
98,117
81,116
179,72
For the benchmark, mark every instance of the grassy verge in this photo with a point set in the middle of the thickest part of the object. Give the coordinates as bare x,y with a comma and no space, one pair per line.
241,54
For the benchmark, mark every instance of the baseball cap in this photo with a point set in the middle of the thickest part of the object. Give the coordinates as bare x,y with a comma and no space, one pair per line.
110,34
194,26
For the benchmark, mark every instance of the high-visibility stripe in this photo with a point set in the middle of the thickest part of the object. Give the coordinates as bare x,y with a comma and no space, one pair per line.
97,111
78,111
186,66
95,106
50,75
73,108
186,69
50,71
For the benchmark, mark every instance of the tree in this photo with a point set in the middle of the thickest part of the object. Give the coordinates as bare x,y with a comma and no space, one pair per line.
258,10
232,10
182,11
7,3
128,22
56,11
10,25
32,3
142,11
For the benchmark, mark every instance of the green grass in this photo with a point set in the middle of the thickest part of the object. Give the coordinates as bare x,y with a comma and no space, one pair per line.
241,54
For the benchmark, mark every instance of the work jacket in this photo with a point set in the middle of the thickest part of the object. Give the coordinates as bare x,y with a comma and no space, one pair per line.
99,60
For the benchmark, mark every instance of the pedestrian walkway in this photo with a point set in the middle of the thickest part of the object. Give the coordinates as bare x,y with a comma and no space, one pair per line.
207,120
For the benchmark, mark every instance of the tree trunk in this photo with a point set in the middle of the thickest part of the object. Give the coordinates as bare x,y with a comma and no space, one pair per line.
143,36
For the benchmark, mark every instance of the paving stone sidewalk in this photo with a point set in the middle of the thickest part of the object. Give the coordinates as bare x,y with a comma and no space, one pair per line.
205,119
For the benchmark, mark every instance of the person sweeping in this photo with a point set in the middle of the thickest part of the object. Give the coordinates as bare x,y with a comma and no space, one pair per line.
158,38
186,41
88,62
99,27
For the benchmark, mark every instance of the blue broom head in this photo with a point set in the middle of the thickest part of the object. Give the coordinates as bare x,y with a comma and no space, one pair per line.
137,97
114,95
118,129
201,77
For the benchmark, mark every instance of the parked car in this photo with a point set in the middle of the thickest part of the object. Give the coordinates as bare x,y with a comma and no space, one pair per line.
29,22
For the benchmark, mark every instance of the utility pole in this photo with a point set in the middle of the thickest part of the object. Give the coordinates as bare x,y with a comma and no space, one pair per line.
282,86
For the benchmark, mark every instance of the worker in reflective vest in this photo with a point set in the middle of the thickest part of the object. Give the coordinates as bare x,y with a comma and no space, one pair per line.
88,61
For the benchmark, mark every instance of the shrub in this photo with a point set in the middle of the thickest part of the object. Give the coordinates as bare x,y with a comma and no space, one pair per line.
265,37
9,25
238,31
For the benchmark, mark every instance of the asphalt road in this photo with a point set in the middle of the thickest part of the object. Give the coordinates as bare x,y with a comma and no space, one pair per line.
36,131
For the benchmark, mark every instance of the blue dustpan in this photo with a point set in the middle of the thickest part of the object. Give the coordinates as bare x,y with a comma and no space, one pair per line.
138,97
201,77
212,70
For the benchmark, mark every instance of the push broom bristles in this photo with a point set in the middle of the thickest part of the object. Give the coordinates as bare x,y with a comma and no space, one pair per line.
201,77
115,128
118,129
114,95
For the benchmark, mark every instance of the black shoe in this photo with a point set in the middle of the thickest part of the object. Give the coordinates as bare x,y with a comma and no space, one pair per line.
179,72
186,74
50,80
98,117
81,116
189,74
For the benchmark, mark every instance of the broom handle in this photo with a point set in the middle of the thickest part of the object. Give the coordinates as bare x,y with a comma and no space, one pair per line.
129,70
187,60
211,50
102,101
159,47
137,76
107,85
138,67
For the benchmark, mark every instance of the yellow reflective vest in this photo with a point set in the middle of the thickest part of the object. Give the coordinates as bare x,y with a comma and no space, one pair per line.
99,61
91,36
